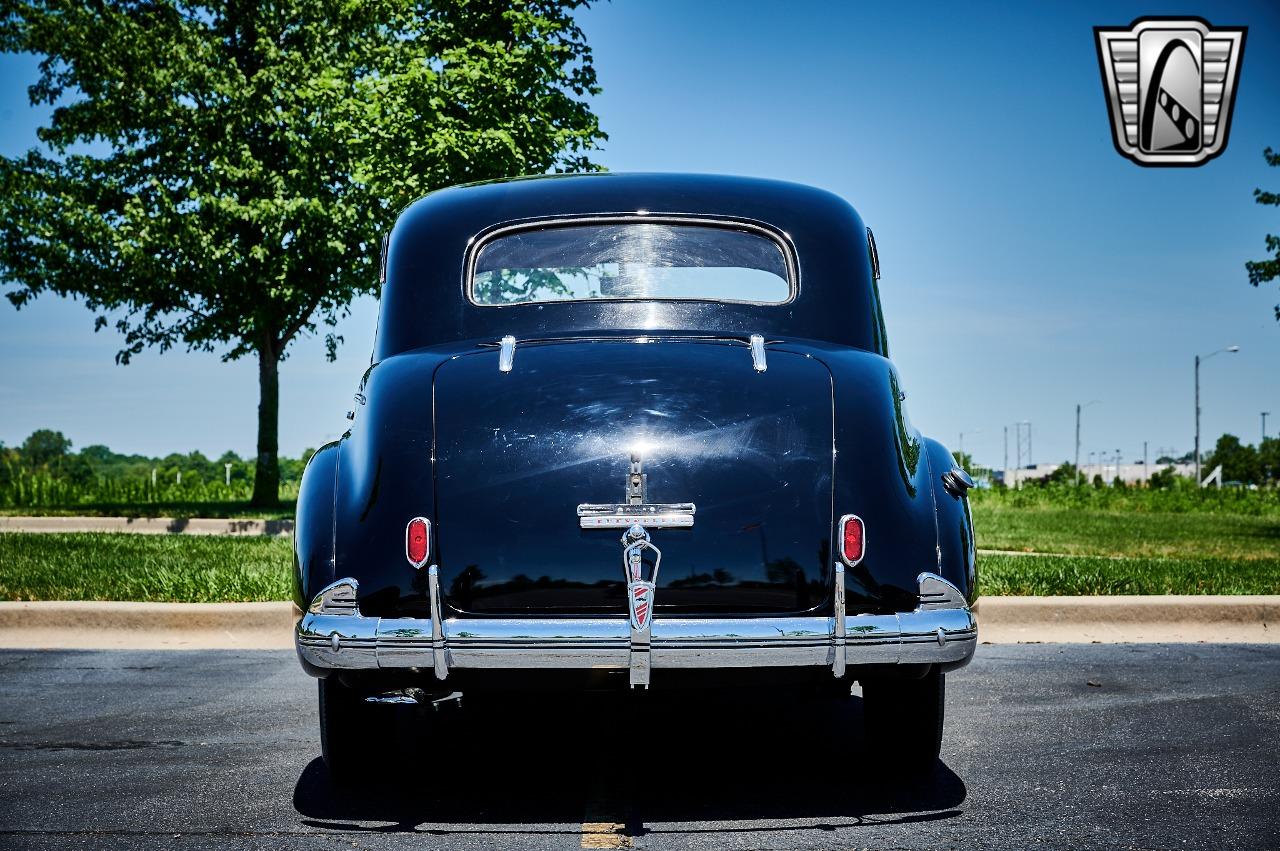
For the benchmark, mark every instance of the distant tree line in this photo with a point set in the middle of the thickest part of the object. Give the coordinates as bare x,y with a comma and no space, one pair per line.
1245,463
1242,464
44,470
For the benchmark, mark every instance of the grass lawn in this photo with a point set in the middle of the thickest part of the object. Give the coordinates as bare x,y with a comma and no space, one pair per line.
1070,550
155,568
237,510
1119,533
1004,575
1125,551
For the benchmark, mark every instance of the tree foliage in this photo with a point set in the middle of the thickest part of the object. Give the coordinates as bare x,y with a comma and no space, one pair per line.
216,175
1239,461
1265,271
44,471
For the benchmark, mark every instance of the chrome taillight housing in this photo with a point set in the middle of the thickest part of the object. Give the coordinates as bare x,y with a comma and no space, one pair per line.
853,539
417,541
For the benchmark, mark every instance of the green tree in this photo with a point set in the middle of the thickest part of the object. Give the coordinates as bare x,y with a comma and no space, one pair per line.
1269,460
45,448
1163,479
1265,271
217,174
1239,461
1065,474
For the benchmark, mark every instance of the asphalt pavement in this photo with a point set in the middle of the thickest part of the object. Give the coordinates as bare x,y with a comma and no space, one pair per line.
1058,746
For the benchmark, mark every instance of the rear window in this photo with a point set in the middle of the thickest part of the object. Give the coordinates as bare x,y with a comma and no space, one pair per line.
631,260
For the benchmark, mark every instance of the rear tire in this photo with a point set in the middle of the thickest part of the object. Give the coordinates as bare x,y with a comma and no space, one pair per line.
352,738
904,719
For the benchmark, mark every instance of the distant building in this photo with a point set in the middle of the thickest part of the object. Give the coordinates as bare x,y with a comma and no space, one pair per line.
1130,474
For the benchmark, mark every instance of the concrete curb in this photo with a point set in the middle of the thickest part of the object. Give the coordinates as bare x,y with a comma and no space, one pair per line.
148,525
172,626
1159,619
1002,620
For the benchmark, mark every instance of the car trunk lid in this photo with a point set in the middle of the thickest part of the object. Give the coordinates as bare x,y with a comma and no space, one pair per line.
517,452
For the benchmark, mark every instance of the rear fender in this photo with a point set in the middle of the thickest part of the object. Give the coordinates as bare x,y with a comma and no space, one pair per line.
881,476
957,554
384,479
313,526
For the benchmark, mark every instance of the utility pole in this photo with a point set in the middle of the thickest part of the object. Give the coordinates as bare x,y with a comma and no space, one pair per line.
1146,472
1006,454
1018,467
1077,444
1229,349
1079,408
1265,414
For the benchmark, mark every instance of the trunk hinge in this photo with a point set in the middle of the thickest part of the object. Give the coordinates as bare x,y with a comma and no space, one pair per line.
757,353
506,353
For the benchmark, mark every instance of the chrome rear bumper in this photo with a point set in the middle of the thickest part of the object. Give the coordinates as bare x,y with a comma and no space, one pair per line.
333,635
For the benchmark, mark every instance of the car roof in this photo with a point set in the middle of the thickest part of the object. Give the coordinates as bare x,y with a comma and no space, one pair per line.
424,299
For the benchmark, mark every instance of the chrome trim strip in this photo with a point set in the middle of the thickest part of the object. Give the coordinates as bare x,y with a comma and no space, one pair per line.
838,632
506,353
439,652
758,361
393,698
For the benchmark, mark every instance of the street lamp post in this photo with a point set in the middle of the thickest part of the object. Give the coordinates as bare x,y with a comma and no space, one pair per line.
1229,350
1265,414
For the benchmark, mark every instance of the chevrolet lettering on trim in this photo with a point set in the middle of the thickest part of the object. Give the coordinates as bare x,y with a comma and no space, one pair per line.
633,432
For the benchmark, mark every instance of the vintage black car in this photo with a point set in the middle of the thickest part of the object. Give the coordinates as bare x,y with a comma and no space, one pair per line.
632,429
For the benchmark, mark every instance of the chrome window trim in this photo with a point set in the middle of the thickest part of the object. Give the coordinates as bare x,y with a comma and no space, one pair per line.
778,237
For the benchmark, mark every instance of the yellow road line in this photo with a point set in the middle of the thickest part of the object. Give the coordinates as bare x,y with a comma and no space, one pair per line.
605,834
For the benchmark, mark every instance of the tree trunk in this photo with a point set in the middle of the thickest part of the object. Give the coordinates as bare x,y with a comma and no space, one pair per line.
266,480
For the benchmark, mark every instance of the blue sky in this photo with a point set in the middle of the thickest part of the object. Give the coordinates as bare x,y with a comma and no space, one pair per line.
1027,266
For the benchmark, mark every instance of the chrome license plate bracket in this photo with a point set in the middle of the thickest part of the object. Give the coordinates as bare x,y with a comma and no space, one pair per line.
651,515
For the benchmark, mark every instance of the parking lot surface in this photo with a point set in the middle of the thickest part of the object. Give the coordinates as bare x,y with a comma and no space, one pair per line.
1060,746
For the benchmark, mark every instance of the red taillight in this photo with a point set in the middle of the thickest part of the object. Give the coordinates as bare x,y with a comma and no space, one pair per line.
853,539
417,541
